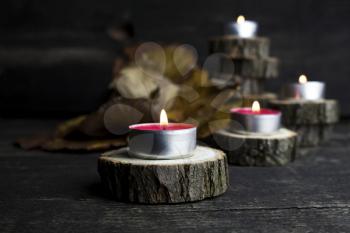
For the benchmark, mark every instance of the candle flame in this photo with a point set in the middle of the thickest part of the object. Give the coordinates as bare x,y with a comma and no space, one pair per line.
240,19
163,118
256,106
302,79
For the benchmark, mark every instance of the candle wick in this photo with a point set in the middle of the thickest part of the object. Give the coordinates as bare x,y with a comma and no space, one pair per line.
163,126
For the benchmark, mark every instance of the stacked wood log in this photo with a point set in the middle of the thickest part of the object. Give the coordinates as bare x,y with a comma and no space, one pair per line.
251,64
313,120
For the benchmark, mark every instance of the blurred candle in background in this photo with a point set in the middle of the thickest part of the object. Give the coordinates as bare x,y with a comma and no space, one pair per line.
242,27
304,89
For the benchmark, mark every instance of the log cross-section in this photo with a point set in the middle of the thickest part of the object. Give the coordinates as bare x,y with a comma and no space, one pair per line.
257,149
129,179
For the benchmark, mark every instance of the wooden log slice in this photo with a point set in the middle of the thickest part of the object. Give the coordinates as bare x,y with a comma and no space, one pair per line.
129,179
312,120
238,47
265,68
264,99
312,135
241,69
301,112
256,149
250,86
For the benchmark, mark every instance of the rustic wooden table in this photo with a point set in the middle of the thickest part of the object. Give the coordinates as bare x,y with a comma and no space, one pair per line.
61,192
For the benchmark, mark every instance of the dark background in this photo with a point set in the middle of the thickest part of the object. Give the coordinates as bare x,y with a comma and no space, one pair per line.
56,57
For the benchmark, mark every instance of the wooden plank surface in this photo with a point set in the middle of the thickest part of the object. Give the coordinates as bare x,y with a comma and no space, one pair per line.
61,192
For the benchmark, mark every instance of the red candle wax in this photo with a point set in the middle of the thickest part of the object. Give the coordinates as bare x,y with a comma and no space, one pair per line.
157,126
249,111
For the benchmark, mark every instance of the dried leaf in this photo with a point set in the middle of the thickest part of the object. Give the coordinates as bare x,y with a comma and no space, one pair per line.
69,126
183,89
33,142
133,83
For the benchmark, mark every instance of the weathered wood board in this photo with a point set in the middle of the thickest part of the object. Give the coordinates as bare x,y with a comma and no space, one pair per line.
45,192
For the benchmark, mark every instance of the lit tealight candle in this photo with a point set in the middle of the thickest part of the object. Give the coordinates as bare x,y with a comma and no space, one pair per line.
305,90
242,27
162,140
256,119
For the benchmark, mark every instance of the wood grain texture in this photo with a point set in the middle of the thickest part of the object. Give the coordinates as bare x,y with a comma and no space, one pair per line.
248,68
256,149
256,68
312,135
300,112
191,179
61,192
251,86
312,120
238,47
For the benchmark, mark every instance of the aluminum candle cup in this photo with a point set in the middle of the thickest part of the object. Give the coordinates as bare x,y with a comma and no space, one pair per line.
263,121
154,141
307,91
244,29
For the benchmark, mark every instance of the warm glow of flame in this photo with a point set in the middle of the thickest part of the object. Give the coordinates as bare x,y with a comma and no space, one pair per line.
240,19
256,106
302,79
163,118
